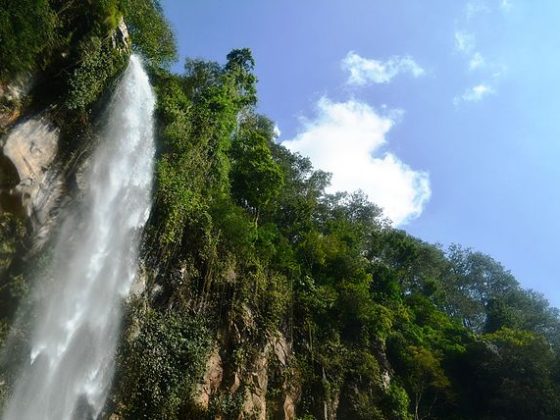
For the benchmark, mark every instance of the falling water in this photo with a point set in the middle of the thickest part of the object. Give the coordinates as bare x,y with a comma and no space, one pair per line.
76,330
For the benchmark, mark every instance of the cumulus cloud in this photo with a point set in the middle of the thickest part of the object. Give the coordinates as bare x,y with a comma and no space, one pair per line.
465,42
276,131
474,8
367,70
465,45
476,61
474,94
346,139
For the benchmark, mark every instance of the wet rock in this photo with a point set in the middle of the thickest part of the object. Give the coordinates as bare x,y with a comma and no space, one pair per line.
31,147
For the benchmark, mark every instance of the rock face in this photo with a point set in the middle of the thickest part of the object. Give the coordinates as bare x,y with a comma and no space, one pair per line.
30,182
120,37
31,147
212,379
253,385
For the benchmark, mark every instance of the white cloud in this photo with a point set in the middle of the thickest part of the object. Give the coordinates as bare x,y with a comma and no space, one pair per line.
476,61
364,70
474,94
474,8
346,139
465,42
276,131
465,45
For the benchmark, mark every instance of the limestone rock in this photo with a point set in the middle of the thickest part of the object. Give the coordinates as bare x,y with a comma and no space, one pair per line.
31,148
252,385
212,379
120,37
255,401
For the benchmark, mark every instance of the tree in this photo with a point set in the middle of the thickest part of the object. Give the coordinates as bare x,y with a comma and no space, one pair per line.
512,377
27,29
425,376
239,68
150,31
473,281
256,178
523,310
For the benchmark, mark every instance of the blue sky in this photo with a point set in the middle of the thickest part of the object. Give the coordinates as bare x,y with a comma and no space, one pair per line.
444,112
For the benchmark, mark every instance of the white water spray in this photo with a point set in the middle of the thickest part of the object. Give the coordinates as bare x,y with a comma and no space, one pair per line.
76,330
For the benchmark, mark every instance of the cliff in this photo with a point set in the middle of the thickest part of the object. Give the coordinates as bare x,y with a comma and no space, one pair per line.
258,296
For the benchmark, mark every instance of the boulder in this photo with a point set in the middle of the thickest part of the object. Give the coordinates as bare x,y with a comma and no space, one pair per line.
30,148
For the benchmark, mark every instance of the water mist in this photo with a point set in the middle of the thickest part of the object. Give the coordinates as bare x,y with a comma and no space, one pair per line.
76,329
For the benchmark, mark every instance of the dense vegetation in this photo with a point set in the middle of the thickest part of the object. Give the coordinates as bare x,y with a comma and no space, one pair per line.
244,247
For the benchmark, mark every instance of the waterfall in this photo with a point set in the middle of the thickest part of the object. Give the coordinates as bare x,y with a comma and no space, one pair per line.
76,321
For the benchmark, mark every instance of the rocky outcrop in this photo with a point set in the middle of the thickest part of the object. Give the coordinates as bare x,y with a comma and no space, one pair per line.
120,37
254,403
212,379
29,178
33,177
253,384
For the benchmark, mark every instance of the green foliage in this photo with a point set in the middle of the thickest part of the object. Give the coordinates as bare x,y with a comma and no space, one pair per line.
399,402
99,59
111,15
27,29
150,32
243,244
13,285
239,70
11,233
255,177
475,279
99,63
193,170
228,407
78,45
161,365
514,370
425,373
